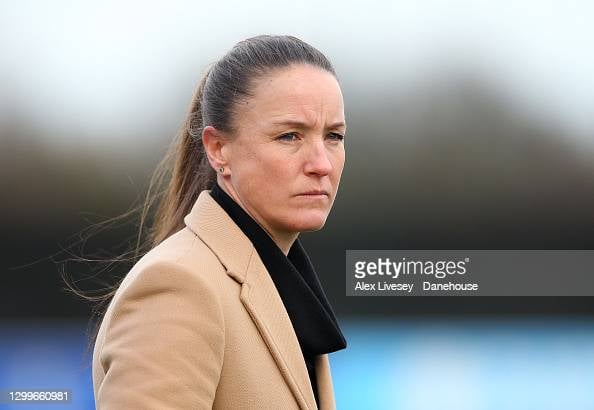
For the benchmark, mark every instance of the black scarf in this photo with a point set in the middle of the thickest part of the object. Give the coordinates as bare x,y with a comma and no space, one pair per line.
297,283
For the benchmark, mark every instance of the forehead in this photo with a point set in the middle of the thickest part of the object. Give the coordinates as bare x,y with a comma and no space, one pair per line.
299,92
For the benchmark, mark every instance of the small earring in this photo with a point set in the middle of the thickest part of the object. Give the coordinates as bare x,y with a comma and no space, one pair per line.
222,169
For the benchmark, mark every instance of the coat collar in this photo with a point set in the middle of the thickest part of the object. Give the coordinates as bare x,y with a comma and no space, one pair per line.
261,299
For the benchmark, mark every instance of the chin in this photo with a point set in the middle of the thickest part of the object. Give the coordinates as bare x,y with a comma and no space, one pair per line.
312,227
309,223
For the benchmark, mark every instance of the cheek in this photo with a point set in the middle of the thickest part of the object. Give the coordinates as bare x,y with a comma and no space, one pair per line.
266,177
338,163
277,168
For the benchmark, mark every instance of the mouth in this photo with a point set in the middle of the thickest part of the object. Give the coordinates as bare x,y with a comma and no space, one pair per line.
315,193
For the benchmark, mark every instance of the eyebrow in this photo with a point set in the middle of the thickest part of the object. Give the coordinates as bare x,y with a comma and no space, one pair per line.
301,124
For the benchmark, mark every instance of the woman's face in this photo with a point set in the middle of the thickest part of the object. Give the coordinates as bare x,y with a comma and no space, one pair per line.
287,157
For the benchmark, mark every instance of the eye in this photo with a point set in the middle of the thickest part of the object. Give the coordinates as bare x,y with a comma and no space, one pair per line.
289,136
336,136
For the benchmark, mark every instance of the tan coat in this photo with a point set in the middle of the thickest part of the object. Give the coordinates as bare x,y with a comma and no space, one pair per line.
198,324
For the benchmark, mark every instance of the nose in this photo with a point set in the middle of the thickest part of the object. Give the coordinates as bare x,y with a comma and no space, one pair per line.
317,160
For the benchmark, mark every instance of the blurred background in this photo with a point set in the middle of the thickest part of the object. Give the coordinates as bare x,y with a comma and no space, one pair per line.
470,126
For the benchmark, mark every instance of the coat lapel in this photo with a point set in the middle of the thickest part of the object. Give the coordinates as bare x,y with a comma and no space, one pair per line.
260,297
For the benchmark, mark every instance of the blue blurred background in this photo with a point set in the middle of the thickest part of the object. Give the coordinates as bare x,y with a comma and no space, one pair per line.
396,364
470,126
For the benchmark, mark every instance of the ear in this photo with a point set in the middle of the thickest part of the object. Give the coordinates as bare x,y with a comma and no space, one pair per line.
214,141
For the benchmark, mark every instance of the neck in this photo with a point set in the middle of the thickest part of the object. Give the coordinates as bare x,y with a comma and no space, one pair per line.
284,240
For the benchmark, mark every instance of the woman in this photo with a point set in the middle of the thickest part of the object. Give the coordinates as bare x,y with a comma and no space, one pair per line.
226,311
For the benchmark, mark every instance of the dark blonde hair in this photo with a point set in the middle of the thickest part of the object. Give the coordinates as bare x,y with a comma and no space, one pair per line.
184,172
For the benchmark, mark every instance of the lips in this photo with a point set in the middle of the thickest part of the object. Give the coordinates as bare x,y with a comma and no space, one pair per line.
315,192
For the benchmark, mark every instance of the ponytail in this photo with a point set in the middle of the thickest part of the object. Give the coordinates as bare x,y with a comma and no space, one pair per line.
191,173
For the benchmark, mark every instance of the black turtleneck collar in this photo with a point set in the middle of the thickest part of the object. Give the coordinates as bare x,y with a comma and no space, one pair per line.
297,283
